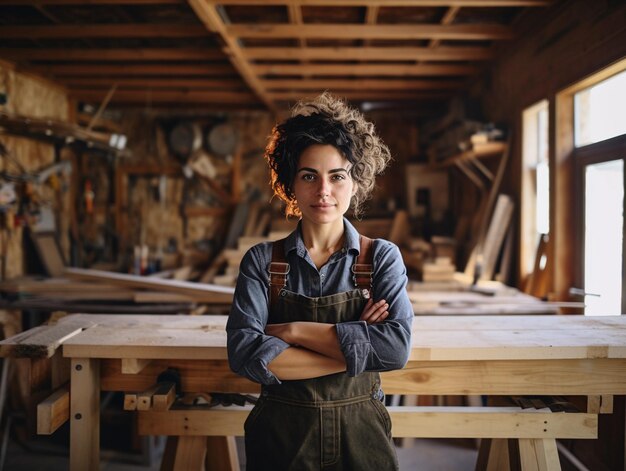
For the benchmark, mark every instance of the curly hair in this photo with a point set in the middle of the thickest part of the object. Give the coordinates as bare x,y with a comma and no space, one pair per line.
325,120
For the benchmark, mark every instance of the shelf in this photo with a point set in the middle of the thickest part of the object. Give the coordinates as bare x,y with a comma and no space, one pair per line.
479,151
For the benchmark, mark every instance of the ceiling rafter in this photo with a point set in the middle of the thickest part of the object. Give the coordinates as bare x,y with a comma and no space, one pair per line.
135,69
354,31
365,69
212,20
109,54
102,31
389,3
442,53
364,84
365,50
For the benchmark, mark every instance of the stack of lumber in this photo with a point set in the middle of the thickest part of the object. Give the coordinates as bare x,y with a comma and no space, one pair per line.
96,291
442,269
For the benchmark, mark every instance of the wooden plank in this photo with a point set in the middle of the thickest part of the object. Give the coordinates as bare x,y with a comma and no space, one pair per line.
43,342
85,415
191,96
320,84
112,54
190,454
142,83
398,70
353,31
221,454
409,95
381,3
164,396
144,398
197,376
130,401
134,365
420,421
368,53
494,239
206,293
442,338
140,30
557,377
53,412
92,2
156,297
99,70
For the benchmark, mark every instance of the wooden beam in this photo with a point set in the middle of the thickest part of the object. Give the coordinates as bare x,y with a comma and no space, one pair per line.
164,396
144,83
140,30
128,96
53,412
216,294
352,31
135,69
369,95
360,84
85,414
365,69
213,21
90,2
107,54
442,53
424,422
389,3
144,399
448,19
132,366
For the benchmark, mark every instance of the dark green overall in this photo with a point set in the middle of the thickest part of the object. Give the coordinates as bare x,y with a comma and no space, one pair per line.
334,422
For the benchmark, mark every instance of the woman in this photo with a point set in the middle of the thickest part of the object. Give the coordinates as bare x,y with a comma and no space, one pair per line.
335,310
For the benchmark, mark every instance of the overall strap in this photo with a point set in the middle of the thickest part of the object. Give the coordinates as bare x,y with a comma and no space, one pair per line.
278,270
363,267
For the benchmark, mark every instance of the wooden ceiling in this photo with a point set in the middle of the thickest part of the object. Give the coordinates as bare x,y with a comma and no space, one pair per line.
258,53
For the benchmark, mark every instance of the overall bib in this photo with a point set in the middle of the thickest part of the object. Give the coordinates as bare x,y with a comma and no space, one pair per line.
334,422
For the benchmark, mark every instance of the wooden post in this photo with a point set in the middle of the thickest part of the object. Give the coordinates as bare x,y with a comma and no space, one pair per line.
85,415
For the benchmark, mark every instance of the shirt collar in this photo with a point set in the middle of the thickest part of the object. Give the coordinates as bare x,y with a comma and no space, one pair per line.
351,242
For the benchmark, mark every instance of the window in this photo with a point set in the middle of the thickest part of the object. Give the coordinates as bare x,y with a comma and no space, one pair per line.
600,111
591,134
535,183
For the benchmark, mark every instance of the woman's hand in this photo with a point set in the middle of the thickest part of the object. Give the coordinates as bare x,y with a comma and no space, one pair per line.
375,312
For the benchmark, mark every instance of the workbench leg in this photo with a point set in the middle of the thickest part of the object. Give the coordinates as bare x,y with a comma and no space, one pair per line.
221,454
190,453
539,455
85,415
493,455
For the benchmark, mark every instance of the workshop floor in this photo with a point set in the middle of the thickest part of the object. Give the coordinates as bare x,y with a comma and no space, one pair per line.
424,455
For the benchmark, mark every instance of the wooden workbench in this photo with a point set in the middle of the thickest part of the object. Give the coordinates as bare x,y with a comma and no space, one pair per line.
488,355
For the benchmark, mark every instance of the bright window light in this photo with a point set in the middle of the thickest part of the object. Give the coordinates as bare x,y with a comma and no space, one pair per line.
600,111
604,217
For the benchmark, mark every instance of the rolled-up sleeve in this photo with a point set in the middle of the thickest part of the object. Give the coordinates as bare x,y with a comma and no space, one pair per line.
386,345
250,350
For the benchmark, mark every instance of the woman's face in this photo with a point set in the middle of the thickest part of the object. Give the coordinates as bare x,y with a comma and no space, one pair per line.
322,185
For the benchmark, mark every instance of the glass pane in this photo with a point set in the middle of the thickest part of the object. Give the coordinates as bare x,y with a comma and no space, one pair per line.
604,216
600,111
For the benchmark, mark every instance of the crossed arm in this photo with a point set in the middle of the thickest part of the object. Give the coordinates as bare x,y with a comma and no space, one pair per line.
315,349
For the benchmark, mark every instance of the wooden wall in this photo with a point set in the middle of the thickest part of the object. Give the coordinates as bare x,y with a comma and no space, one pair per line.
34,97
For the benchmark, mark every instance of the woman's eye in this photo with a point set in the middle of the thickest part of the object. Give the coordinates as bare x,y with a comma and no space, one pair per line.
308,177
338,177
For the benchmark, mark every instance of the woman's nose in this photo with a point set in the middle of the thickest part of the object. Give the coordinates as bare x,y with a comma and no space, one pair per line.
323,188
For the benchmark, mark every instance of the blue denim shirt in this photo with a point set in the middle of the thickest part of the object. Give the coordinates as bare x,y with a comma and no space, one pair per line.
377,347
